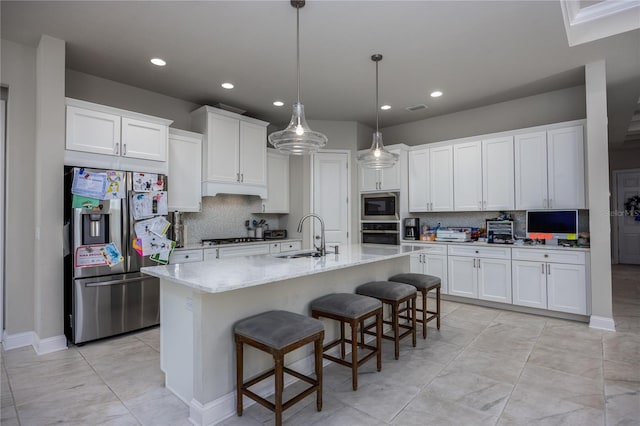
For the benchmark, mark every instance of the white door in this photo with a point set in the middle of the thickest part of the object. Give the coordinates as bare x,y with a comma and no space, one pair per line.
441,178
253,154
565,156
144,140
390,177
463,277
529,284
531,171
498,174
419,196
437,266
494,280
92,131
467,173
223,149
185,173
331,196
566,288
628,185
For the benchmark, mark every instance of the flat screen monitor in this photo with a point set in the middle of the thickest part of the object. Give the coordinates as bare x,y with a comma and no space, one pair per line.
552,224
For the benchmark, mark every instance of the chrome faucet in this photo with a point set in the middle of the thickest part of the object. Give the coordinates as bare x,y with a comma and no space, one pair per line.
322,249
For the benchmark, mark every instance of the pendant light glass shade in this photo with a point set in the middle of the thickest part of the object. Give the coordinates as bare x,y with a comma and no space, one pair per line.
377,157
298,138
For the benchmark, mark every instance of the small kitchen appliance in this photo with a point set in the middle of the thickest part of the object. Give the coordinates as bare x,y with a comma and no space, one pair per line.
451,235
411,228
380,206
177,228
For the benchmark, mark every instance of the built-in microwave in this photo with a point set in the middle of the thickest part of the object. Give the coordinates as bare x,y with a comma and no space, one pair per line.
380,206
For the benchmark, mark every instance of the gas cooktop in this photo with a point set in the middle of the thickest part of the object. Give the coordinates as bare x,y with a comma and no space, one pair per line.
222,241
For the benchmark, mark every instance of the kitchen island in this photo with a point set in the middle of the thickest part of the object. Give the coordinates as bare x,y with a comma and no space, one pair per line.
200,302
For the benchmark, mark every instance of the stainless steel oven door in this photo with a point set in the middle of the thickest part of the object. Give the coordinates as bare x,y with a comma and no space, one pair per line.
114,304
380,206
381,237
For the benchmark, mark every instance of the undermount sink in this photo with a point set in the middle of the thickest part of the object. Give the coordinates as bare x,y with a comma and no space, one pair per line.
298,254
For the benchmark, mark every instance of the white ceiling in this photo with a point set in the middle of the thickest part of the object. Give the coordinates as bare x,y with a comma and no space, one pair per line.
476,52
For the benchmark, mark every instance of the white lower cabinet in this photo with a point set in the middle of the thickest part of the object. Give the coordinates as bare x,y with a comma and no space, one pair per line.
480,273
432,264
186,256
550,279
290,246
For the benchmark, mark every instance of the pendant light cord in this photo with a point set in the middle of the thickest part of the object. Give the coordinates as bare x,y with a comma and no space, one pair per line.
298,47
376,96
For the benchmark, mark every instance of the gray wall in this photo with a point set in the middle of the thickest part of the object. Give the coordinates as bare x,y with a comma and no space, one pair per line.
624,159
107,92
552,107
19,74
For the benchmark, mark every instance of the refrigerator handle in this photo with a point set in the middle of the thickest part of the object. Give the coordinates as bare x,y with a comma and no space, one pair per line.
127,238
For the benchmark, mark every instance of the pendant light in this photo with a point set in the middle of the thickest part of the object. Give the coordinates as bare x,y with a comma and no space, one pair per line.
377,157
298,138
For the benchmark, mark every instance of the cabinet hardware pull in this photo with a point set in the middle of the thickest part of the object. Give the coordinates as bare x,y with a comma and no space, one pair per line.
474,263
241,177
548,269
124,149
545,203
263,208
237,177
117,149
543,268
485,203
217,253
478,263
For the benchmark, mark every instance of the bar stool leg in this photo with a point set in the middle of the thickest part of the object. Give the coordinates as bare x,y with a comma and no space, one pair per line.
354,354
239,376
278,359
438,307
396,328
378,339
342,350
318,353
424,314
413,320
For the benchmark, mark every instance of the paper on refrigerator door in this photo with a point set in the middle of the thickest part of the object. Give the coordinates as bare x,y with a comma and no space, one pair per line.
89,184
157,226
162,257
160,203
142,206
111,254
147,182
115,185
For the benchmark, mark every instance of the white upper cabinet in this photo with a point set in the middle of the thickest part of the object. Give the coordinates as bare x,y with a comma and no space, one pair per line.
144,140
565,156
99,129
431,179
277,183
185,175
234,152
467,166
92,131
550,169
383,179
498,174
483,175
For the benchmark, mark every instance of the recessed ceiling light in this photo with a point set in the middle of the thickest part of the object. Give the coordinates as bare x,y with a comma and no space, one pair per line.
159,62
227,85
436,94
278,103
385,107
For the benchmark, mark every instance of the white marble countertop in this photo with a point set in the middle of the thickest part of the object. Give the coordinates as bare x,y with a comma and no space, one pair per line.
197,246
220,275
485,244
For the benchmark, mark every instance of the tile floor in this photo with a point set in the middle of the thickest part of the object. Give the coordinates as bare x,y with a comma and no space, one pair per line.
484,367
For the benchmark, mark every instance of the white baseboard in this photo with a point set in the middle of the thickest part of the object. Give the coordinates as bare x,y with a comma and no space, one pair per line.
30,338
18,340
602,323
50,344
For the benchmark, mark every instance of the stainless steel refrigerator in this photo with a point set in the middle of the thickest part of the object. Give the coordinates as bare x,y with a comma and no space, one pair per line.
102,301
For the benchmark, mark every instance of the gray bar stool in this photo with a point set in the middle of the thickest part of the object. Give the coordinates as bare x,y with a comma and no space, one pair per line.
393,294
424,283
278,333
352,309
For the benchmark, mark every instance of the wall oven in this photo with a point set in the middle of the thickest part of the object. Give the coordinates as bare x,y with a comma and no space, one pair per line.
380,233
380,206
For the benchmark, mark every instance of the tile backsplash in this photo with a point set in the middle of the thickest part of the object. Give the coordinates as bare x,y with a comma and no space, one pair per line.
223,216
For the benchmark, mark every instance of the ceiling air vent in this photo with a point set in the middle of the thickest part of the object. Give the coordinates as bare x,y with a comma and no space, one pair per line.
415,108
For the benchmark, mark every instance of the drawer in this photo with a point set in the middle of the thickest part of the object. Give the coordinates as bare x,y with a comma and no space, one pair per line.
274,248
553,256
211,253
186,256
482,251
291,246
433,248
